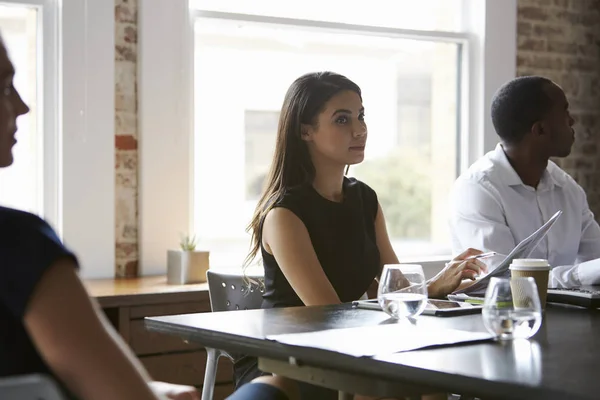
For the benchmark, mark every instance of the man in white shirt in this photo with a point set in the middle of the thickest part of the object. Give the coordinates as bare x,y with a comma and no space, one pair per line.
511,191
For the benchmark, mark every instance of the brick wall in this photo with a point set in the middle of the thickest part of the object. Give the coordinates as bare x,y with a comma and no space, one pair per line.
126,138
560,39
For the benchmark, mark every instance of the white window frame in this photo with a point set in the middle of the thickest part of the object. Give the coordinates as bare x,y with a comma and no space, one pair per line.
165,91
48,105
76,49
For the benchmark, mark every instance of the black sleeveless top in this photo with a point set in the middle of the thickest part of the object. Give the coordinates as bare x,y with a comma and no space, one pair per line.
343,236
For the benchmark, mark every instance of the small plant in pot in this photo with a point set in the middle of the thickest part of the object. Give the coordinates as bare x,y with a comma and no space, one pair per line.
188,243
187,265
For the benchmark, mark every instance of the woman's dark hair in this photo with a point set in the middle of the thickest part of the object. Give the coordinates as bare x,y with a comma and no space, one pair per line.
292,166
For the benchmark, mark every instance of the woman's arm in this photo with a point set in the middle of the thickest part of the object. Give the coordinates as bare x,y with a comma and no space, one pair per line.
387,255
78,343
386,251
287,239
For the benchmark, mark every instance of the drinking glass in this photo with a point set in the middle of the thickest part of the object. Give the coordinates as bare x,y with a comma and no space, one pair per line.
402,291
511,309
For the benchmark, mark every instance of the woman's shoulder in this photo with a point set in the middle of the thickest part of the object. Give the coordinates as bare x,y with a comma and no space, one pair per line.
25,229
358,191
357,186
13,219
23,234
293,197
28,247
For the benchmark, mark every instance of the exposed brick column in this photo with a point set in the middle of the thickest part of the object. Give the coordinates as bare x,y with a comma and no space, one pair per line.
126,191
560,39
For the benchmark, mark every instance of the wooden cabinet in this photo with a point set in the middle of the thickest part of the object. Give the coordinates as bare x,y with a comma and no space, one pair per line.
167,358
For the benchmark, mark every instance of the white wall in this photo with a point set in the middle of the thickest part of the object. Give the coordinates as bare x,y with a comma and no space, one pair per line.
87,199
165,84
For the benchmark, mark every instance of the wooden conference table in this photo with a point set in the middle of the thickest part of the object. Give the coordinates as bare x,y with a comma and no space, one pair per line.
560,362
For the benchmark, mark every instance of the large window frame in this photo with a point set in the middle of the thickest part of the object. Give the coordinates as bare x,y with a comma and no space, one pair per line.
76,112
230,243
48,107
487,24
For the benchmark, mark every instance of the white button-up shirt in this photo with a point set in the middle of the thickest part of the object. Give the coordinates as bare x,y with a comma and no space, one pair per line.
493,210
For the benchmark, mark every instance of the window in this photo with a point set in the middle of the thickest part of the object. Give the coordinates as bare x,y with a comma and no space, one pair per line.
411,92
64,158
173,201
426,15
259,135
21,186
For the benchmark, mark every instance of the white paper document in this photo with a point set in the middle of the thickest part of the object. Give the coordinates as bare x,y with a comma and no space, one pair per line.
522,250
369,341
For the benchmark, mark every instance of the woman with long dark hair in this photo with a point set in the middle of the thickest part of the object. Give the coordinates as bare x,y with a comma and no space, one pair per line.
322,235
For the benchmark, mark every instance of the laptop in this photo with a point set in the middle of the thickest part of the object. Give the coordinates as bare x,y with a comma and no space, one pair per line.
583,296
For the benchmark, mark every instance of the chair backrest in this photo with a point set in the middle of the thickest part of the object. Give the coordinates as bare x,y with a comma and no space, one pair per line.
230,291
29,387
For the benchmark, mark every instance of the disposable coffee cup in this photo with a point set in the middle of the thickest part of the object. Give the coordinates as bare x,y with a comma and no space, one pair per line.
538,269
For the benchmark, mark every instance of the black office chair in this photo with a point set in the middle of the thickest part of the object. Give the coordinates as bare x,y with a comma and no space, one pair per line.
228,292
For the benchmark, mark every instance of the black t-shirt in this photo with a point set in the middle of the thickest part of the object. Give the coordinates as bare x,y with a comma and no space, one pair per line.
28,247
343,236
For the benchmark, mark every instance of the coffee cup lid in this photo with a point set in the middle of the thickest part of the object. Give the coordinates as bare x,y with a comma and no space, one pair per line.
530,264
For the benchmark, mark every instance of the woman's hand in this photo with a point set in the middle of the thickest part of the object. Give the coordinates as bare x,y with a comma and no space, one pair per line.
455,271
174,392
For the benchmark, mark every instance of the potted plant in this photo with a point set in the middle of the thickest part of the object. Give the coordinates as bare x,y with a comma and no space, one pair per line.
187,265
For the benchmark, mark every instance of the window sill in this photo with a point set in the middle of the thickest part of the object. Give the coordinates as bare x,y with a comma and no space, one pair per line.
147,290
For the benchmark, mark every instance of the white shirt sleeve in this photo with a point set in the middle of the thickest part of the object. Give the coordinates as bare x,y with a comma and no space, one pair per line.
589,246
477,221
565,276
587,271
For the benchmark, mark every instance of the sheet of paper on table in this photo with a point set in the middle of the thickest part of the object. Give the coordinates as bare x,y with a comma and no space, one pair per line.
375,340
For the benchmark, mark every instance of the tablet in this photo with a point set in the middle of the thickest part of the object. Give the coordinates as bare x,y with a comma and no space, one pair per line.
438,308
446,308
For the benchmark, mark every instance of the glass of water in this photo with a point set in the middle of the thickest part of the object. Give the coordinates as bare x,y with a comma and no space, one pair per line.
511,309
402,290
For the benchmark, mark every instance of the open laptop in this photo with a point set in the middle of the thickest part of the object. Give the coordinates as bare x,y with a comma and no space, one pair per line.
583,296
